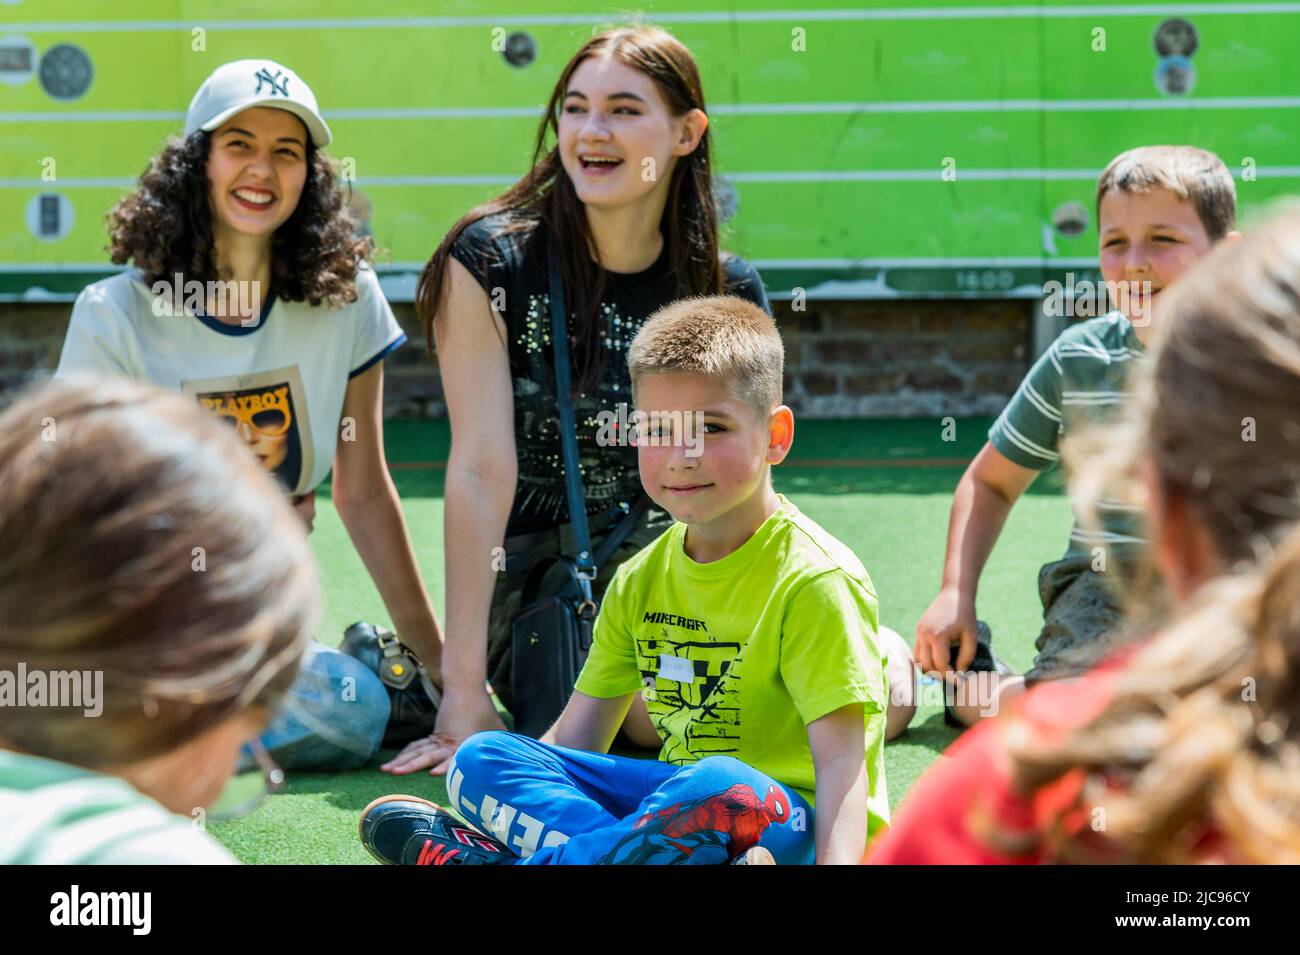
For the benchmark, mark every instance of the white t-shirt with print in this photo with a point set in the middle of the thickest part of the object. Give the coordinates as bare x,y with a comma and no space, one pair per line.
280,381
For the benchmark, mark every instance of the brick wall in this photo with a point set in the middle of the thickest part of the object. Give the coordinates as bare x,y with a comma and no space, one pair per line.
904,358
31,337
894,358
412,388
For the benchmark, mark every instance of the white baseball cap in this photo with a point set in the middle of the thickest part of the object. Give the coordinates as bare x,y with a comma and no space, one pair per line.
243,84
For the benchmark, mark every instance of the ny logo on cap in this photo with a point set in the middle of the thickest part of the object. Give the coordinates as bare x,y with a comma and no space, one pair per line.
279,83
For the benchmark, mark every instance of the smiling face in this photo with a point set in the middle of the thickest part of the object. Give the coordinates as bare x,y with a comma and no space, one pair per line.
257,166
618,140
713,478
1151,236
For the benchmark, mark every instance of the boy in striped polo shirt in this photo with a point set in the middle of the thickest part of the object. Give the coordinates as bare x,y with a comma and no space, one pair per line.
1159,209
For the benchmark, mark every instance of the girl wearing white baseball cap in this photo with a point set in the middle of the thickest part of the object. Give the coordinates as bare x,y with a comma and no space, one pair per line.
252,292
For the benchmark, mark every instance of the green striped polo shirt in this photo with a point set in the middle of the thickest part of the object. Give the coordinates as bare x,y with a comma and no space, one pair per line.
54,813
1080,380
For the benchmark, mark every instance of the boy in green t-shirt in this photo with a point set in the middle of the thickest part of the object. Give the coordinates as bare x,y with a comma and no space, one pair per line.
1159,210
749,631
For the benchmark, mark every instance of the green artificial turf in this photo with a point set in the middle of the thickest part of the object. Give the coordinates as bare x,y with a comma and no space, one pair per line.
894,517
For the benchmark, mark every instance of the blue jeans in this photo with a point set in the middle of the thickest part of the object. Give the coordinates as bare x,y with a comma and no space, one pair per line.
333,716
557,806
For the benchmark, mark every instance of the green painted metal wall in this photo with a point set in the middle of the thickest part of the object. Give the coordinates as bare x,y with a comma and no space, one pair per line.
832,124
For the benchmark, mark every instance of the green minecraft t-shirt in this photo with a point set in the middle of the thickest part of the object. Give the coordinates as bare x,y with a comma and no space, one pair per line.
736,657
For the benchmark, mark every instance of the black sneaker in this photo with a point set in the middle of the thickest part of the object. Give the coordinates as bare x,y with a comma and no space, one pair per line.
986,661
408,830
412,711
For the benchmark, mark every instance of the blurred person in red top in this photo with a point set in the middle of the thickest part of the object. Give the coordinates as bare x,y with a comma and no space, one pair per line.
1182,747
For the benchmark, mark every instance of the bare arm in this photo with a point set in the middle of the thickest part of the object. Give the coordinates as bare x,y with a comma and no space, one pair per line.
838,743
368,504
984,497
480,490
987,492
589,722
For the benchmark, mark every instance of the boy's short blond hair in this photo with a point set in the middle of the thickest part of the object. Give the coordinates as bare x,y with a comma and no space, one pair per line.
1197,175
721,336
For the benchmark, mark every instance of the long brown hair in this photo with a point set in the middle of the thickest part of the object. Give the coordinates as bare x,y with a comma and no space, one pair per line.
140,538
1201,734
545,196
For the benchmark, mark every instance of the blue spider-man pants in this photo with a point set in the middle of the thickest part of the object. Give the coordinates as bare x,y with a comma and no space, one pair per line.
557,806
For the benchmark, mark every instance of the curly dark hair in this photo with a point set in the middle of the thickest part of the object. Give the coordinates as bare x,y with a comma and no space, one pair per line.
165,228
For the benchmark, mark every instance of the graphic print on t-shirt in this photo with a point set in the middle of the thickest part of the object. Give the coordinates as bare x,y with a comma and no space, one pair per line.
269,412
704,710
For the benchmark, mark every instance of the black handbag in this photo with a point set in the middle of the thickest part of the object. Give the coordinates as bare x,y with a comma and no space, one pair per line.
551,634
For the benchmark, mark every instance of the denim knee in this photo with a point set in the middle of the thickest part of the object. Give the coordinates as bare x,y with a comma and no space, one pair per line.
366,709
335,713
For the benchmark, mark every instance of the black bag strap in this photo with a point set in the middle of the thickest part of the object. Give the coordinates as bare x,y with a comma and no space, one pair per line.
620,533
568,429
587,563
532,586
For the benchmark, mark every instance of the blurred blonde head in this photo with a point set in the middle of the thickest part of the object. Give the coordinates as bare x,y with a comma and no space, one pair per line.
141,539
1202,733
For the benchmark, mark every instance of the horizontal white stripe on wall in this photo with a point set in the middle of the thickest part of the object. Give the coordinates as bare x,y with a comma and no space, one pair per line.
703,16
921,107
